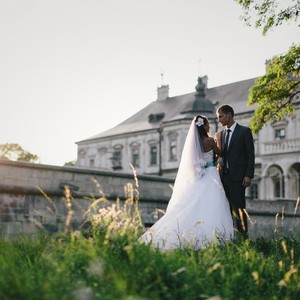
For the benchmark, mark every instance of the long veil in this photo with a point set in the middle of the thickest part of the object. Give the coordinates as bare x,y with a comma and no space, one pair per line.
192,165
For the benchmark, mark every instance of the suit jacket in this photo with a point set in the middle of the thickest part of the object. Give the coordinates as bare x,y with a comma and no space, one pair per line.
240,153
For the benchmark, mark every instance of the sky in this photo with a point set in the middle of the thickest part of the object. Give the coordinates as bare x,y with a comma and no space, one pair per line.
70,69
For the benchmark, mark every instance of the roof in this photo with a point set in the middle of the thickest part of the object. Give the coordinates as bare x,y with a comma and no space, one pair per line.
187,105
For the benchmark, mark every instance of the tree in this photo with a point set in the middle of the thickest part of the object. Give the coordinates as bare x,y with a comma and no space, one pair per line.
278,90
269,13
12,151
71,163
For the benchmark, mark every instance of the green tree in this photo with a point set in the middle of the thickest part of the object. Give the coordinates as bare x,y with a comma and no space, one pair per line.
13,151
71,163
275,93
267,14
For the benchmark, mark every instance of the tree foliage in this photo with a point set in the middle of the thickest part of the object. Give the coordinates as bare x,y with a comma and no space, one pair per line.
71,163
267,14
13,151
276,93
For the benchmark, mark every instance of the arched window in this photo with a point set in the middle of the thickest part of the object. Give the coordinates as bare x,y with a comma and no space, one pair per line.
275,182
294,181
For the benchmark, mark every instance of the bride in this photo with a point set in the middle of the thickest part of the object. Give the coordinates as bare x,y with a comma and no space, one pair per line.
198,212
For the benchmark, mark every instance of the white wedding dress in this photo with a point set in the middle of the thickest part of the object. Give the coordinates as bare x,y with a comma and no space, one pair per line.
198,212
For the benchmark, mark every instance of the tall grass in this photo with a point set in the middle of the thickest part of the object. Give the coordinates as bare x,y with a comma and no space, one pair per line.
107,262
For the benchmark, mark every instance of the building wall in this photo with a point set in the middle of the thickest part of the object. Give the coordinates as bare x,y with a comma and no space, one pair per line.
142,141
277,154
278,159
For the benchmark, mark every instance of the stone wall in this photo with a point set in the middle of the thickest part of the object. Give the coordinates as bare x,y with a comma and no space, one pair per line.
32,196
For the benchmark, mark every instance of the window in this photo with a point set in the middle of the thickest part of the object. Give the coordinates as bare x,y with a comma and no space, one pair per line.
280,133
173,150
155,117
153,152
135,157
172,138
275,182
294,181
277,193
92,162
254,191
135,154
153,155
117,158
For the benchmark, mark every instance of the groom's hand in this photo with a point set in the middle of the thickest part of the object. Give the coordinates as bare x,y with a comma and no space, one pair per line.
246,182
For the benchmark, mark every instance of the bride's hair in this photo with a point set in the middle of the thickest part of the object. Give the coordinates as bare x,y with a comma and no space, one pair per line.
201,128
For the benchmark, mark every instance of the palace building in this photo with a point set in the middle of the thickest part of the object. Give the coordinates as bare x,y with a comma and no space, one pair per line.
152,139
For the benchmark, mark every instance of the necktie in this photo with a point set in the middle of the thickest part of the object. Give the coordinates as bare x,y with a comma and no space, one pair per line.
226,148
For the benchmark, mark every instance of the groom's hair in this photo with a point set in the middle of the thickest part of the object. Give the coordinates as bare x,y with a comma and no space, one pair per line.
226,108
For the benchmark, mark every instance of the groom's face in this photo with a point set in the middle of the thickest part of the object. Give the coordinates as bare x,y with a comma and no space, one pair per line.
223,118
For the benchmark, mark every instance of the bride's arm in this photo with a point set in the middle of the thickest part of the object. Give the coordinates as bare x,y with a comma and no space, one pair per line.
215,147
218,138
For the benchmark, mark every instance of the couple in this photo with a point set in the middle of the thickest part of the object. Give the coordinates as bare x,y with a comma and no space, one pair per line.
204,203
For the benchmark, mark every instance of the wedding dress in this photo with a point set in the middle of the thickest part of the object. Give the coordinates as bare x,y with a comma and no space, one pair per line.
198,212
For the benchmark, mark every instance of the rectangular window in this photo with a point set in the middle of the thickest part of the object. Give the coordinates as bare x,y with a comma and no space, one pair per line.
117,160
153,155
135,158
280,133
92,162
173,150
254,191
277,189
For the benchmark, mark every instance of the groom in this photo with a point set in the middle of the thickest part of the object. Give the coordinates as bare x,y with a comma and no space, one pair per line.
236,143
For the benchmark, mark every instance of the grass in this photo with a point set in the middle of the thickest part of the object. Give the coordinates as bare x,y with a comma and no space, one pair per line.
60,267
107,262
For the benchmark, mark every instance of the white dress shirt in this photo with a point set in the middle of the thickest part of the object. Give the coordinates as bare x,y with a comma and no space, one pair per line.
231,132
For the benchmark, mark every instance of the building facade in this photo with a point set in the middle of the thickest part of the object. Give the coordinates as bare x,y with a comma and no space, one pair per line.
152,140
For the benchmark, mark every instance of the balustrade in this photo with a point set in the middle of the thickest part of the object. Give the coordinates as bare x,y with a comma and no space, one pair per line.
282,146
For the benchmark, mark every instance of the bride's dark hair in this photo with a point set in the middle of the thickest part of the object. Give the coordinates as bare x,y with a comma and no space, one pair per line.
201,128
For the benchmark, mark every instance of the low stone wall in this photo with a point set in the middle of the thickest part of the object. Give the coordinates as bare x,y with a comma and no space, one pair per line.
273,218
33,196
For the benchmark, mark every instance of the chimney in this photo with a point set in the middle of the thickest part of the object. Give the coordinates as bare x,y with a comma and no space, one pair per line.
163,92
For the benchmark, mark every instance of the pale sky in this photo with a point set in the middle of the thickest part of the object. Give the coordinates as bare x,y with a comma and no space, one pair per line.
70,69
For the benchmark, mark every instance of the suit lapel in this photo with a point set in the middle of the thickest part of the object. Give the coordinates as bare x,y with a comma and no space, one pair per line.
223,138
234,134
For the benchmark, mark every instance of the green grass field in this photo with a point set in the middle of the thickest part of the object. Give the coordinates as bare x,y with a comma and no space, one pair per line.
107,262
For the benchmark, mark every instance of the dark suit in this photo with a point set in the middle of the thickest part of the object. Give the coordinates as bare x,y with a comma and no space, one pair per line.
240,158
